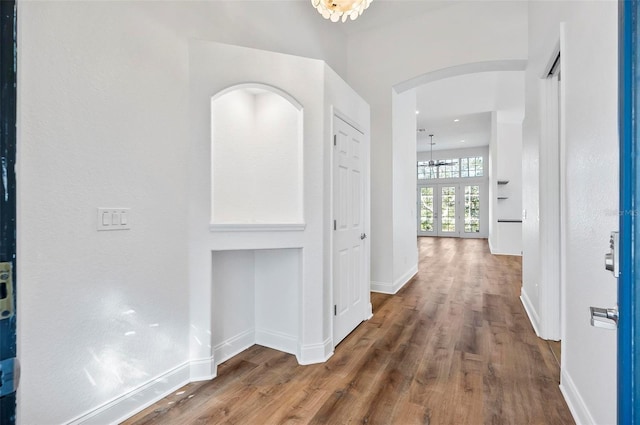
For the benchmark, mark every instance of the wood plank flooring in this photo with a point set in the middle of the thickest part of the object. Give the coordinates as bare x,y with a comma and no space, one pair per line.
454,346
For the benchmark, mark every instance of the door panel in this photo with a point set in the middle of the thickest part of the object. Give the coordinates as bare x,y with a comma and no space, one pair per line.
348,242
472,208
427,215
448,211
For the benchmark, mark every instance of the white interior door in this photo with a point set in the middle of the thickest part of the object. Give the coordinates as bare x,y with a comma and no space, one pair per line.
349,257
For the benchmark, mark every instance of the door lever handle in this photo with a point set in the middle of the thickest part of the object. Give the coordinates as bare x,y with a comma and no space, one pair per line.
606,318
363,236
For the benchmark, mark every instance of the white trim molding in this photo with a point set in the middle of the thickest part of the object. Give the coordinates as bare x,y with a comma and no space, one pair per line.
530,309
577,406
257,227
234,345
315,353
202,369
393,288
119,409
277,340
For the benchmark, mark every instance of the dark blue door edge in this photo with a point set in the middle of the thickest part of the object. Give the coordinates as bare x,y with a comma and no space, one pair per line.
7,197
629,94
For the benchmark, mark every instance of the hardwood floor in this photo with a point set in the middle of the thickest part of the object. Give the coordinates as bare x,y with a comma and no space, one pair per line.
454,346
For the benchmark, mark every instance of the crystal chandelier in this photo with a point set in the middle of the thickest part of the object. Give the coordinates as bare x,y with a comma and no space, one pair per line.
340,9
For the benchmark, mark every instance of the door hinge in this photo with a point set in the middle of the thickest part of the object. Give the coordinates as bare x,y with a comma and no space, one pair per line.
335,225
335,309
335,140
8,376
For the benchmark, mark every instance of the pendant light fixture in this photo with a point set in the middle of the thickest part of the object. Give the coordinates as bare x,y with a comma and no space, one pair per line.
337,10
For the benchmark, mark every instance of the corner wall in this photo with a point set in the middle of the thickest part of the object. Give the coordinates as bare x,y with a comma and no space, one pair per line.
590,93
506,184
405,246
103,122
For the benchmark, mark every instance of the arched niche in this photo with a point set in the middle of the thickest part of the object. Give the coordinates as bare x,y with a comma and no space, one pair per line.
256,158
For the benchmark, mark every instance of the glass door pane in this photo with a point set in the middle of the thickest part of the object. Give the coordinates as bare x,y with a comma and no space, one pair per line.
448,209
427,216
472,209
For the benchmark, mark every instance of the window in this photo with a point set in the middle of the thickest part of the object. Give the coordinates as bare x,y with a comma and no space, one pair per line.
452,168
449,171
426,172
471,167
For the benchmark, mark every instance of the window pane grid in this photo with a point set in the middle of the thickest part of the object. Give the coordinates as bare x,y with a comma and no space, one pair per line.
426,209
454,168
448,208
472,209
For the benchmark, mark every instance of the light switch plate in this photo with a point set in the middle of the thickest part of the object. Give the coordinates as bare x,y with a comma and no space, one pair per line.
114,219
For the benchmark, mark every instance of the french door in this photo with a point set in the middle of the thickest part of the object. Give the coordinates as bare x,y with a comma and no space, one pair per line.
449,209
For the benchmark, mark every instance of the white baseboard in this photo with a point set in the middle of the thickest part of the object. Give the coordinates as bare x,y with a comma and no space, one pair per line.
136,400
234,345
277,341
315,353
382,287
202,369
393,288
369,313
531,311
577,406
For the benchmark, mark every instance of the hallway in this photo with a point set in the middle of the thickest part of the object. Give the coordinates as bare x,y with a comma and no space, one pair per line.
454,346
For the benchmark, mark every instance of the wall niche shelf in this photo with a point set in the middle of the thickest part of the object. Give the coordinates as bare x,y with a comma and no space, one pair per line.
257,227
256,158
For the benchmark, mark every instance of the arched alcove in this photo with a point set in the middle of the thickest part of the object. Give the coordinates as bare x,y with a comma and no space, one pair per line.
256,157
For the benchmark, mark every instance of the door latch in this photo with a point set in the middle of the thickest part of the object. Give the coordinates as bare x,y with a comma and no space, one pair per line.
612,258
606,318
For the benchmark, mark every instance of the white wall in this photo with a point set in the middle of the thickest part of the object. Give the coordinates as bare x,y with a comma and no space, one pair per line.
506,156
405,247
380,58
590,94
103,122
100,125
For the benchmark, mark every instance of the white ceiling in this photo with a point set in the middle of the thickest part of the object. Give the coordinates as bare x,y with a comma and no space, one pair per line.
384,12
470,131
470,99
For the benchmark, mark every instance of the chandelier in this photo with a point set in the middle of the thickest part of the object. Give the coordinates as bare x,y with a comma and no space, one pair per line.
340,9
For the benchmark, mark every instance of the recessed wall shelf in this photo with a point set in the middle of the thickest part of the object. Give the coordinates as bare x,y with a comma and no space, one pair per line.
503,181
257,227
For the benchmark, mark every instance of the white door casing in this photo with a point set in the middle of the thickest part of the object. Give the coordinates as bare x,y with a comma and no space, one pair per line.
349,255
